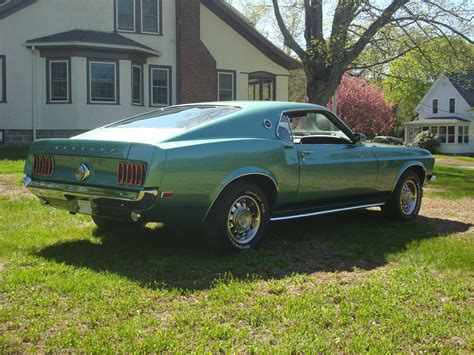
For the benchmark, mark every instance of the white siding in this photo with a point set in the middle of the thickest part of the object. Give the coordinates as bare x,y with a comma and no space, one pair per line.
233,52
47,17
443,90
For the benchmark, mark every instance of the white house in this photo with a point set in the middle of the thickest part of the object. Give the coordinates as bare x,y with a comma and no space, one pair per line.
67,66
447,110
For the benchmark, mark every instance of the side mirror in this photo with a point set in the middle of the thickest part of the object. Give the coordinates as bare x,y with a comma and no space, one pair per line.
359,138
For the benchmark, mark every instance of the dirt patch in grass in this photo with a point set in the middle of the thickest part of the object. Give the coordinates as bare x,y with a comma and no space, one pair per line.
11,188
441,212
338,278
454,162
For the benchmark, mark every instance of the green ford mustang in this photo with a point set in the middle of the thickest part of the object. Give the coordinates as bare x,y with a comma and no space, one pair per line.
231,167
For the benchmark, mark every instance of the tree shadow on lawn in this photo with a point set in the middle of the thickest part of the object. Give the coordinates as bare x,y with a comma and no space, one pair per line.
165,259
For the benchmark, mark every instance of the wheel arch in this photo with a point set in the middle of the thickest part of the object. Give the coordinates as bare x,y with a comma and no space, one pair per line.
416,167
263,179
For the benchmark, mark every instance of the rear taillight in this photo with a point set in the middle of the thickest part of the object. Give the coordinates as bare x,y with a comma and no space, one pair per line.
131,173
43,165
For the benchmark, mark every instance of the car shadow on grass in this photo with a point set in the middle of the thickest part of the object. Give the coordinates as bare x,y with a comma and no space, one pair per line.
163,258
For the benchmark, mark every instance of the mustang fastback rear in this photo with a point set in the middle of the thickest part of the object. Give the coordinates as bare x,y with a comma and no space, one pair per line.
231,167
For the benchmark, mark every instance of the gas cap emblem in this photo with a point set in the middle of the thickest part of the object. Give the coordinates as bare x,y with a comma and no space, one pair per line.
267,124
83,172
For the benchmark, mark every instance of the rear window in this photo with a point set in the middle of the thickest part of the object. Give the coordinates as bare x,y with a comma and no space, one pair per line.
182,118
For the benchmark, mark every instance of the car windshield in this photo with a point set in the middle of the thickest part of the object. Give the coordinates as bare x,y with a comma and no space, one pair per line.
178,118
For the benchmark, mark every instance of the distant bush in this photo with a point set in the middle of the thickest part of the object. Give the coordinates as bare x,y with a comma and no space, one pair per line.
427,140
388,140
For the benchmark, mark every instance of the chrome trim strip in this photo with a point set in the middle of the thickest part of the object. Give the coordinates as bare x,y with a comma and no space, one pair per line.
58,191
238,177
326,212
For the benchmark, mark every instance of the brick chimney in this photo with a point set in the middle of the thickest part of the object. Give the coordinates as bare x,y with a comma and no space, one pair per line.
196,67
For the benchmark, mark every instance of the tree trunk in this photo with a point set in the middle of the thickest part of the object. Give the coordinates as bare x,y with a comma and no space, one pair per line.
322,84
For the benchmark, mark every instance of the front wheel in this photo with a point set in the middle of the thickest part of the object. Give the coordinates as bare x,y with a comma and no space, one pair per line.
239,218
405,202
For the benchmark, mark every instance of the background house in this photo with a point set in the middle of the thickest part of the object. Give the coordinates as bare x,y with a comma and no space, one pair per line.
447,110
72,65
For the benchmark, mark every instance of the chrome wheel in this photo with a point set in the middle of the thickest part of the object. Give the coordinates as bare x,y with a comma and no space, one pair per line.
243,220
409,197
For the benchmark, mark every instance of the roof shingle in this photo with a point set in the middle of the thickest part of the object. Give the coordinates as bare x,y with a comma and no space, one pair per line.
88,36
464,83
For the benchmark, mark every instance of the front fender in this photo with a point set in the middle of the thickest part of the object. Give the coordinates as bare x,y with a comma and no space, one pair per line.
405,167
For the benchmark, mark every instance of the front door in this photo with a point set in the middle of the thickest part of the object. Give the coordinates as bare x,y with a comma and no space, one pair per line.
332,168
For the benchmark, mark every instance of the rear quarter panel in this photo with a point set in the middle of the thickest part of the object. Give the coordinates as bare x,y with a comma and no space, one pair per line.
196,171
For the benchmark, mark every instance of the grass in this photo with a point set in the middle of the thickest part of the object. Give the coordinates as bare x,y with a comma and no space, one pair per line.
350,282
453,182
12,160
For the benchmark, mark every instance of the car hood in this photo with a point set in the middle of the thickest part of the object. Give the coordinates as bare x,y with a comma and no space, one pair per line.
133,135
401,149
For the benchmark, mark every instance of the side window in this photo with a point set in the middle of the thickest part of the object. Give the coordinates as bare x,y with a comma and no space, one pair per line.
284,130
125,20
313,123
316,128
150,16
226,85
160,85
435,106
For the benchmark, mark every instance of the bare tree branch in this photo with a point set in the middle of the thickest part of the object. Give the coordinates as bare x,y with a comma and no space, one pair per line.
380,22
289,40
433,22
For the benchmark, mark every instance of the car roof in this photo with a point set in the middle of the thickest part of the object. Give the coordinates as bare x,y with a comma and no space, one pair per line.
259,105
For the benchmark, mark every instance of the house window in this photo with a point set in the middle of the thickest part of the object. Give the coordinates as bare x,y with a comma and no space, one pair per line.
262,86
58,81
452,105
125,16
442,134
435,105
103,82
137,85
150,16
226,85
463,134
160,85
3,79
447,134
451,134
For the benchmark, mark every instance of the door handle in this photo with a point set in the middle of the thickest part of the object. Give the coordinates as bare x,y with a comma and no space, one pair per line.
305,153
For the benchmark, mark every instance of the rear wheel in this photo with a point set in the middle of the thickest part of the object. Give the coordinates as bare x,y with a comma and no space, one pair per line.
405,201
104,223
239,218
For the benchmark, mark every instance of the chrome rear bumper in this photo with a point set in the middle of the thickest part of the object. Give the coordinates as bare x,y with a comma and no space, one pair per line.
60,191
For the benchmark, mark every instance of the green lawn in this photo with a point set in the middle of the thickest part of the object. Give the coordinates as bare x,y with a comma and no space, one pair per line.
453,182
12,160
350,282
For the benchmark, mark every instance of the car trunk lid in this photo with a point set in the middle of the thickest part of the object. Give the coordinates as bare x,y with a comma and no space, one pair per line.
102,159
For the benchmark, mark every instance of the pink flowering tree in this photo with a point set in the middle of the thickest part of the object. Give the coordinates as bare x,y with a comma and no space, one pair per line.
363,107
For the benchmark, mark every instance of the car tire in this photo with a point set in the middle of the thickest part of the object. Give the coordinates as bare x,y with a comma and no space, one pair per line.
105,224
239,218
405,201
